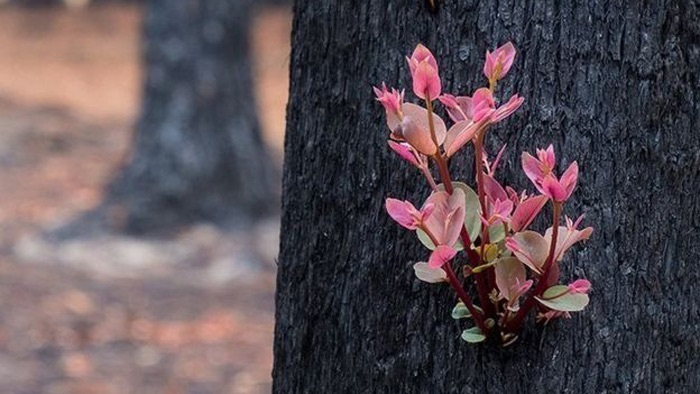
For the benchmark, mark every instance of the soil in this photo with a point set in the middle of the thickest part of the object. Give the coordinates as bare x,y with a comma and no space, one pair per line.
112,314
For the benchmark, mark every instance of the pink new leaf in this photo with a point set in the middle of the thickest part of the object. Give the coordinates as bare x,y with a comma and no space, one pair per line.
531,167
419,138
538,168
483,104
421,54
458,108
513,195
404,213
459,135
524,287
553,189
391,101
547,157
502,209
408,153
526,212
441,255
499,62
498,211
568,236
541,172
507,109
580,286
447,218
424,70
569,179
420,117
494,191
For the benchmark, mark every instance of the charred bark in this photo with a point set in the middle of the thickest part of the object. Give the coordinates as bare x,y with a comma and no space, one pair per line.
614,86
197,152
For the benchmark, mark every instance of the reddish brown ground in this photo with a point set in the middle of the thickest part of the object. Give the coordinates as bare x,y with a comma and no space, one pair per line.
69,85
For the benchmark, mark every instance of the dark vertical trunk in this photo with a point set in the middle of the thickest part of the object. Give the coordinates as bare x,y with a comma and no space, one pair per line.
198,153
616,87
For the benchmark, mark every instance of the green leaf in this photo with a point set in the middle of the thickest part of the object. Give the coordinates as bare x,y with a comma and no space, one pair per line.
473,209
497,233
555,291
460,311
428,243
473,335
429,275
425,239
481,268
558,298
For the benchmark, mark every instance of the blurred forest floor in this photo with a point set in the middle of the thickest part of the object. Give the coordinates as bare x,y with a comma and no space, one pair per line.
193,314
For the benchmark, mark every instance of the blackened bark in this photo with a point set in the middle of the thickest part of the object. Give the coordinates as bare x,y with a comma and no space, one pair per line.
198,153
614,86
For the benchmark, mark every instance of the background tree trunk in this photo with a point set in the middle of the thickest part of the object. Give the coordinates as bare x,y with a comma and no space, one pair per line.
198,153
616,87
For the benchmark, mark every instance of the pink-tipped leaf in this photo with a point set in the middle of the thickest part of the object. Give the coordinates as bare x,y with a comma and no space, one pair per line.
526,212
499,62
404,213
441,255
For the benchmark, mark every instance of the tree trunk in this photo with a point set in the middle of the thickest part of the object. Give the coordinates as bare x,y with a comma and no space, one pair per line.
197,153
615,87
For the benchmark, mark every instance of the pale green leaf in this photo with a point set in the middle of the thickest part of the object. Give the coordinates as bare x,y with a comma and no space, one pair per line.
429,275
480,268
497,233
555,291
473,335
460,311
558,298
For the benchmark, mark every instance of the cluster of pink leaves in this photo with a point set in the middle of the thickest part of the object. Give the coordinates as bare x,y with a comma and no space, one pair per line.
491,225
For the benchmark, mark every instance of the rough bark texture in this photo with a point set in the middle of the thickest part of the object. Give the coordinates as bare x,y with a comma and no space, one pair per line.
614,86
198,153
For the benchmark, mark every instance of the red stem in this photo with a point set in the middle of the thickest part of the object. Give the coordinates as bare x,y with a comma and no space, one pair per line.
454,282
479,165
426,172
485,280
457,287
444,173
442,165
472,255
474,260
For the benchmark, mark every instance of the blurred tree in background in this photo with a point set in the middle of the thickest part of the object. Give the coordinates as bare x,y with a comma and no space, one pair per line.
84,3
68,3
614,85
197,152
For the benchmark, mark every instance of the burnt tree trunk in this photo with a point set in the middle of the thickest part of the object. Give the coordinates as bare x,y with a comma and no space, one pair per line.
614,86
197,152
